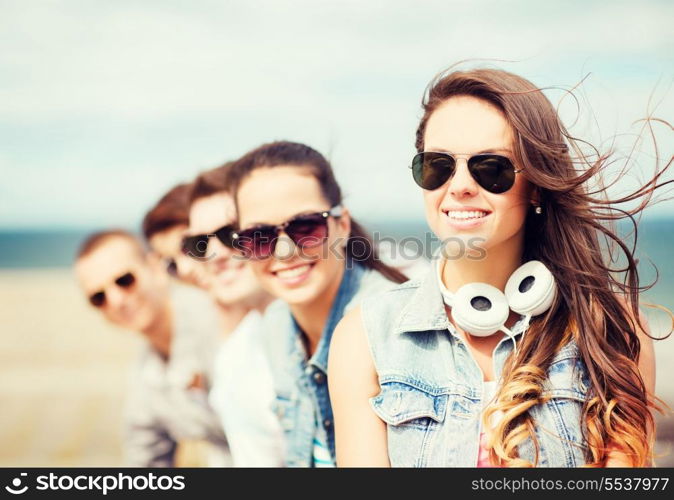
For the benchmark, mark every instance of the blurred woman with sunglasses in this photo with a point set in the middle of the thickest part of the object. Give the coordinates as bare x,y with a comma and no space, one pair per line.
525,352
306,250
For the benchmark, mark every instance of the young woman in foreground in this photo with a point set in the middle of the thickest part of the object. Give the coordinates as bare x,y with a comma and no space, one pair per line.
549,364
307,251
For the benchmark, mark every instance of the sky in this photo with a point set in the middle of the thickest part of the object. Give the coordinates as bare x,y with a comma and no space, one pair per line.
104,106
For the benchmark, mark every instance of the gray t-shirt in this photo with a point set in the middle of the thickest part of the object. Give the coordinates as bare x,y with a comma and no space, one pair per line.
161,408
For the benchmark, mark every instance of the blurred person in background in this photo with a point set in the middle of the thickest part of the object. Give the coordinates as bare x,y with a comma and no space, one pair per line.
167,401
164,226
306,250
242,392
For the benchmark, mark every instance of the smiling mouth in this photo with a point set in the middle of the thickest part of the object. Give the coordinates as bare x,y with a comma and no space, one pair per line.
293,272
462,215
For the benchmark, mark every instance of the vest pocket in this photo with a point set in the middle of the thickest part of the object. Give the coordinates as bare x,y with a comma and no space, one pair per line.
402,404
413,413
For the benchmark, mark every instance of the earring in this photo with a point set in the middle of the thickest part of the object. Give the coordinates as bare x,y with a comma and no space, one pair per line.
538,210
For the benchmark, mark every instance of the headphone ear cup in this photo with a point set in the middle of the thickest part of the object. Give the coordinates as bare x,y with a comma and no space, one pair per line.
480,309
531,289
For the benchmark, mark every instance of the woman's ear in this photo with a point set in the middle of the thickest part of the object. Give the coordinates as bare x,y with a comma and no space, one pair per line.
535,198
344,224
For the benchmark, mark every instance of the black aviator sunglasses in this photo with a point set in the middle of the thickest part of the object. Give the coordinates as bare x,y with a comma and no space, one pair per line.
493,172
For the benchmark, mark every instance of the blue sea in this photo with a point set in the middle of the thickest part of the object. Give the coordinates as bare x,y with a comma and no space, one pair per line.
32,248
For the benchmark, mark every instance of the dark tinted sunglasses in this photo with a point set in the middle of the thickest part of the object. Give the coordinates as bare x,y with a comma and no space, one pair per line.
197,246
126,280
306,231
492,172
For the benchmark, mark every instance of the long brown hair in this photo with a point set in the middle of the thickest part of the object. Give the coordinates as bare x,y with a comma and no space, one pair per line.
359,247
593,306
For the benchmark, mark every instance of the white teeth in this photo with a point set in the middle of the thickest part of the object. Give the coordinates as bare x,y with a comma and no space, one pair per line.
294,272
463,214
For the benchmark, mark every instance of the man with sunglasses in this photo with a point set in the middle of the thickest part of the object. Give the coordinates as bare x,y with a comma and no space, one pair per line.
242,392
166,405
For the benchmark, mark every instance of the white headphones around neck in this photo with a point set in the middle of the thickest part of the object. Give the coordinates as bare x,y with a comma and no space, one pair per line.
482,310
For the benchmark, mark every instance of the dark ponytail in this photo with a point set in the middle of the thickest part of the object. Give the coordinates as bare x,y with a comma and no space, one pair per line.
360,247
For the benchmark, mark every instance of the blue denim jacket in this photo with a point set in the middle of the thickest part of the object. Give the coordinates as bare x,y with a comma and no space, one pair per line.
302,401
432,388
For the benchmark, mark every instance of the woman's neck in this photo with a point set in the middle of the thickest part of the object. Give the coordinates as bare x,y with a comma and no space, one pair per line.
494,269
312,316
497,265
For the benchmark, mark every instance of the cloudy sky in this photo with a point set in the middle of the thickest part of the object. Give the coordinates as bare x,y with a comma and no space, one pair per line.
106,105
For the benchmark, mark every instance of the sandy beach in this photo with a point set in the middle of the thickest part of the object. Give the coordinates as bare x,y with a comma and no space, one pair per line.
63,375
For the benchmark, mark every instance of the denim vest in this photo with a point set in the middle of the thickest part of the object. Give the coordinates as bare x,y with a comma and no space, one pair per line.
432,388
302,399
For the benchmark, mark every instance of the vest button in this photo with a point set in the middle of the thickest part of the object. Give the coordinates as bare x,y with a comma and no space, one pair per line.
319,378
327,423
395,405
